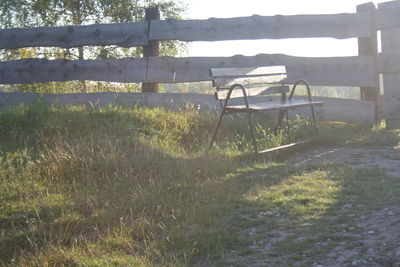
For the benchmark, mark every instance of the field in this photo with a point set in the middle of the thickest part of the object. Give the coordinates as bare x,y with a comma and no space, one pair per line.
84,186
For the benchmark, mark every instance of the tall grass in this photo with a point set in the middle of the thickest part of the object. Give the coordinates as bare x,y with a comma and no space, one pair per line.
113,186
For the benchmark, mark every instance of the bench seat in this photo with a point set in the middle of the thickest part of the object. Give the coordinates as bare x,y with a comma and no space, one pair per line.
275,105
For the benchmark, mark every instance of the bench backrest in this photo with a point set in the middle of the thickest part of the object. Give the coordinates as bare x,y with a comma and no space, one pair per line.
224,78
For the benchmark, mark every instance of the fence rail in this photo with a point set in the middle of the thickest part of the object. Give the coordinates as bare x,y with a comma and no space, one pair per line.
329,71
356,71
335,109
340,26
121,34
139,33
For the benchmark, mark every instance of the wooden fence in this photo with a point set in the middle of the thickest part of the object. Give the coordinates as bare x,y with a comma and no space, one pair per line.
356,71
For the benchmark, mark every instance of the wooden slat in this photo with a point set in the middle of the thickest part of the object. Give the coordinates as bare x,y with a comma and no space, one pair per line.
344,110
262,27
236,93
327,71
121,34
42,70
267,70
226,82
132,34
334,109
276,105
167,100
269,150
330,71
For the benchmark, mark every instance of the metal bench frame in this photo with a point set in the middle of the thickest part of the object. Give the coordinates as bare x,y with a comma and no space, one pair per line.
282,107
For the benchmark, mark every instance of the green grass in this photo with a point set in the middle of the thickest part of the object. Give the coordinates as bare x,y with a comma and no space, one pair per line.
134,186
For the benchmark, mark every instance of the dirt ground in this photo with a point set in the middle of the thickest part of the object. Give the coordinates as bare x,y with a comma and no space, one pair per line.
380,238
386,158
375,239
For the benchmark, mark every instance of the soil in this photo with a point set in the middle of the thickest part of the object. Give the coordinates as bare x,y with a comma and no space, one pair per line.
375,241
385,158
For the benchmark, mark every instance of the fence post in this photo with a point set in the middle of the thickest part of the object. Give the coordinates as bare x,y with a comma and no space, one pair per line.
391,100
152,49
369,46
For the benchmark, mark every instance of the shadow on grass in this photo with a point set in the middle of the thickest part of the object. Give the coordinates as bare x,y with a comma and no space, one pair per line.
167,206
128,188
309,216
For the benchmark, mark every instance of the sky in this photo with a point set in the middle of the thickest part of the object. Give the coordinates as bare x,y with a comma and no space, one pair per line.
311,47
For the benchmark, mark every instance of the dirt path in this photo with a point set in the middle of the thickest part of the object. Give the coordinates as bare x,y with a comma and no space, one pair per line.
372,238
386,158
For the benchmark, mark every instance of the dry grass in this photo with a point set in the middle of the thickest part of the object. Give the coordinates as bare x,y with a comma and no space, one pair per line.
134,187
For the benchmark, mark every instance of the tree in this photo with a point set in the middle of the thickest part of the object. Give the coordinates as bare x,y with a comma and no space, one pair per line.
31,13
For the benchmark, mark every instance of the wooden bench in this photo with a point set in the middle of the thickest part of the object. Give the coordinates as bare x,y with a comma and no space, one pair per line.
237,82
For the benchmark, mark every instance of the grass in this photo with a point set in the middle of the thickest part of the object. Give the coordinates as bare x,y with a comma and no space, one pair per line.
134,186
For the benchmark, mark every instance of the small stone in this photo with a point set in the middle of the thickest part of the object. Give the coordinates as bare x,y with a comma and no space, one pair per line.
266,213
390,213
301,238
371,232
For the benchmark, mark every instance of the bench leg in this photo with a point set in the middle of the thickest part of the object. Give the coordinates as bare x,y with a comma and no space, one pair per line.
287,125
253,136
279,119
314,119
216,129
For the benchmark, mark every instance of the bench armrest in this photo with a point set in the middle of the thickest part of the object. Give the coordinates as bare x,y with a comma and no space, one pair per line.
245,98
307,87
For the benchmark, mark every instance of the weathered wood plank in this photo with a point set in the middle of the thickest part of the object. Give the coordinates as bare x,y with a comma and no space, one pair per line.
387,15
388,62
269,150
227,82
152,49
121,34
346,110
338,26
369,46
391,99
326,71
276,105
236,93
334,109
330,71
267,70
42,70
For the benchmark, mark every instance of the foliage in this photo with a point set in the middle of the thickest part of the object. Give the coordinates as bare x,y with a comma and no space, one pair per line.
33,13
